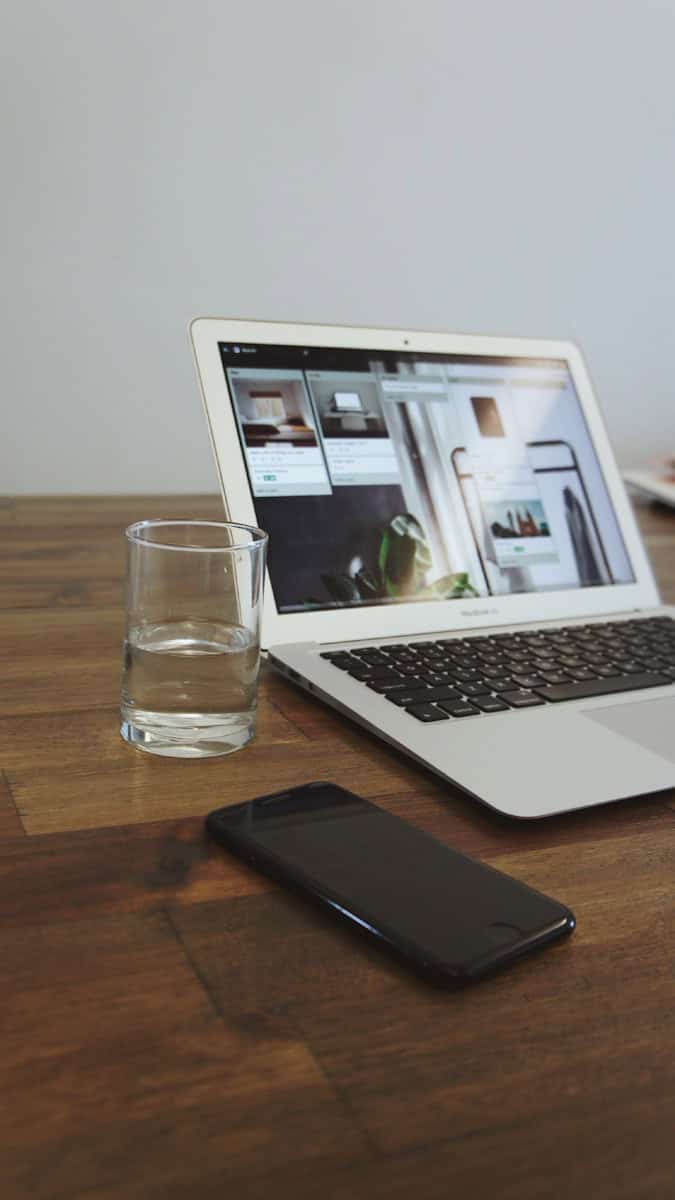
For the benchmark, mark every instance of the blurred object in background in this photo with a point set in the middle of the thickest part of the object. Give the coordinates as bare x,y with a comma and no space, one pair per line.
655,483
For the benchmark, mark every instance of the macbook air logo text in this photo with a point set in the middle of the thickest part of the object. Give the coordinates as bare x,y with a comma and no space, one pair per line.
479,612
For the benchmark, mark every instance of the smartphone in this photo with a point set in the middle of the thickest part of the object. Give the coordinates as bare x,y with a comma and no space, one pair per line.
450,918
557,472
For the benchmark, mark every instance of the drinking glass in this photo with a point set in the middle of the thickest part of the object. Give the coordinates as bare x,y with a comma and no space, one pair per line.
192,644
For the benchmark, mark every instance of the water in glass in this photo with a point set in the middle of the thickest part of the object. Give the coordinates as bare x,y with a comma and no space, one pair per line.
189,687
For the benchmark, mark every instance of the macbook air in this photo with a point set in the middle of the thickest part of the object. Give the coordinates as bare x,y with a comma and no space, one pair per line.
453,561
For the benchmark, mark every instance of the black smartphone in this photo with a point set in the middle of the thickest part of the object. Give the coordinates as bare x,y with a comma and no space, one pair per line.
446,915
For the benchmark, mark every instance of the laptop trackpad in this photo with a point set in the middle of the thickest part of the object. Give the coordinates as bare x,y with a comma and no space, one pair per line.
650,723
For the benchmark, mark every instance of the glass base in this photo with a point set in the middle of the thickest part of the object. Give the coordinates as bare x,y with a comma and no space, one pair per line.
187,735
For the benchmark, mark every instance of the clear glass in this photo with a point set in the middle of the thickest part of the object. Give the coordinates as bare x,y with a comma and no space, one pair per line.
192,643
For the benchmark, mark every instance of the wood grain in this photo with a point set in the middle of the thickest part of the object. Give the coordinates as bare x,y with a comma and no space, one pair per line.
10,822
174,1024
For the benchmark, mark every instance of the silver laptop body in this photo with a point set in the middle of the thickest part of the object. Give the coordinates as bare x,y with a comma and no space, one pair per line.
453,561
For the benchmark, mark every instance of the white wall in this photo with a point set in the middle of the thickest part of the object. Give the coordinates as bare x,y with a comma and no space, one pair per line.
486,165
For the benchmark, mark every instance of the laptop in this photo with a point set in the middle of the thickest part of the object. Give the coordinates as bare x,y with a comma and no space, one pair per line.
460,573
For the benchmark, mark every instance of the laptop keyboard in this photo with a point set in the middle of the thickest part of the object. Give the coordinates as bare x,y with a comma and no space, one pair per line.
466,677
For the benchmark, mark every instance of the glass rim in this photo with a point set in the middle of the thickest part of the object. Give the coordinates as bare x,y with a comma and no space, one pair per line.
133,534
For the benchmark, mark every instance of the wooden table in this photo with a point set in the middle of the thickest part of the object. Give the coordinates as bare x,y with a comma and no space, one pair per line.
175,1026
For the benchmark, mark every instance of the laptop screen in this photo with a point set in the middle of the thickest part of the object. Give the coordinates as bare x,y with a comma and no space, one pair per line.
389,477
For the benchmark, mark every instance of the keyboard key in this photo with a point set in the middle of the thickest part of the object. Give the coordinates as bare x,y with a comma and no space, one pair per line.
339,658
460,710
422,695
487,659
601,687
521,699
497,672
427,712
491,704
528,681
557,676
364,673
501,685
476,689
405,696
384,686
444,691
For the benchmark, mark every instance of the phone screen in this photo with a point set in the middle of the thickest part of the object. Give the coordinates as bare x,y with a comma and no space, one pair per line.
581,559
435,905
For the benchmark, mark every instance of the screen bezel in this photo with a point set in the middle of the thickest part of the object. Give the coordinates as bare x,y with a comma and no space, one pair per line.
417,617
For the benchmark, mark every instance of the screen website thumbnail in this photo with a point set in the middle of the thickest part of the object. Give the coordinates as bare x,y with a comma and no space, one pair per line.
405,477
